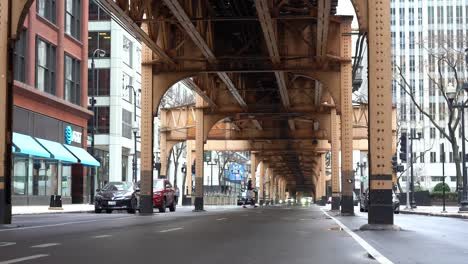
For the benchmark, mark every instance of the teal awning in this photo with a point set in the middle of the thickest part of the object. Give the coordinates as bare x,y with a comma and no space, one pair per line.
84,157
59,152
27,145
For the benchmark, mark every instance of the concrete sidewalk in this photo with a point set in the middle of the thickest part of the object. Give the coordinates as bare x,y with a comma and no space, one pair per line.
452,211
41,209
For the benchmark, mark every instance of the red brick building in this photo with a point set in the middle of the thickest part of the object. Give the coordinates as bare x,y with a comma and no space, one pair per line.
50,103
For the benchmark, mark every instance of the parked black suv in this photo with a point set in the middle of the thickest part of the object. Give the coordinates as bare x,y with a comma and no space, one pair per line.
364,204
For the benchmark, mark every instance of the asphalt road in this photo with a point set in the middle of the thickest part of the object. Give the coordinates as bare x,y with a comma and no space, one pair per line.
228,235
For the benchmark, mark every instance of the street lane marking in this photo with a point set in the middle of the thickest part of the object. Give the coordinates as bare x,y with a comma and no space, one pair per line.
371,250
6,244
102,236
221,219
24,259
64,224
172,229
46,245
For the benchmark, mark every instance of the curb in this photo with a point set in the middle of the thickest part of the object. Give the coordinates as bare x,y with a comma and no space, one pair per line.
451,215
54,212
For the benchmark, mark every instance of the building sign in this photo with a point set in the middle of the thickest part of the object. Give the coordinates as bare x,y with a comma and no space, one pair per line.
236,172
72,136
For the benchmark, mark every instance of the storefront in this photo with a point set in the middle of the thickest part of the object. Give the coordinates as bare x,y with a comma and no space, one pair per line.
49,159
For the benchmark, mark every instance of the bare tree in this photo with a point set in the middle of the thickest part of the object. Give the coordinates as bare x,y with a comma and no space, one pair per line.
445,62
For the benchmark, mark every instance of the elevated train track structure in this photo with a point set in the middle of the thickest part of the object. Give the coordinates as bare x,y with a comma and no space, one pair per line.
278,70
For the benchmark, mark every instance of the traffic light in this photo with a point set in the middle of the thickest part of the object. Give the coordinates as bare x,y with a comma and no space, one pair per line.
403,146
394,163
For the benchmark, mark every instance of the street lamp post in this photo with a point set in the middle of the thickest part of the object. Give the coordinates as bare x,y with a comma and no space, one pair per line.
96,53
135,130
412,200
451,94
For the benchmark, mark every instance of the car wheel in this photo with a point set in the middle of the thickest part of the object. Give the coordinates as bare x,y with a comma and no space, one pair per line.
133,204
162,209
109,211
360,209
97,211
172,208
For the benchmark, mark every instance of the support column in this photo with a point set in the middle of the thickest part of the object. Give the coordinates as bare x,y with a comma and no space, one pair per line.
6,108
163,148
335,165
380,113
199,150
253,168
146,190
261,183
347,174
323,178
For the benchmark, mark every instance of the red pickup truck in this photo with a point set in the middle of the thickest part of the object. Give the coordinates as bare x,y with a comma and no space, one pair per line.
163,195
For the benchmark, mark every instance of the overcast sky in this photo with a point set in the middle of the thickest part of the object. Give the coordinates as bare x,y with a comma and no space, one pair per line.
346,8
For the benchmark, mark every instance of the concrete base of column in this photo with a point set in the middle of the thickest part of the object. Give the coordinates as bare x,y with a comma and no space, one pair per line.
380,207
198,204
377,227
5,209
347,206
335,204
261,202
146,205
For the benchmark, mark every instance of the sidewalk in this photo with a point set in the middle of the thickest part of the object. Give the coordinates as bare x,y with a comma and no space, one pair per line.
452,211
67,208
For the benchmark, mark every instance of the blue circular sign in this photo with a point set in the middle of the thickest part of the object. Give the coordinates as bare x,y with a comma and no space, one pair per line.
68,135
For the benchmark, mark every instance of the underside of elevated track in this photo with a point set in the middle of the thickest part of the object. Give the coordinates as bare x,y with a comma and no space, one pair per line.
277,71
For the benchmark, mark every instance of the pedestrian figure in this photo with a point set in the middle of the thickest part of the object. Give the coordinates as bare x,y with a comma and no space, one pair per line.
248,194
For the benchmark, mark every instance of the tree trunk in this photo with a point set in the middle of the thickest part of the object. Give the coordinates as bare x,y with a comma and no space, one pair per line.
399,184
176,167
457,161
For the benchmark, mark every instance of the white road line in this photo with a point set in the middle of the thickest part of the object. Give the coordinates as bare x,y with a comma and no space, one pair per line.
221,219
63,224
371,250
172,229
102,236
6,244
23,259
46,245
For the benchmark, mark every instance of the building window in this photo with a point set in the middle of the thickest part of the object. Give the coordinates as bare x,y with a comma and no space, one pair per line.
19,60
432,133
127,93
433,157
437,178
47,9
451,157
102,117
126,124
97,13
20,176
102,82
72,80
73,18
421,157
45,66
99,40
127,51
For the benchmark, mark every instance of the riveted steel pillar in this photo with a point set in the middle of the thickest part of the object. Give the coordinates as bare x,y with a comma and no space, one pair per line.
253,168
199,150
163,148
147,132
380,113
347,174
335,164
261,182
6,107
